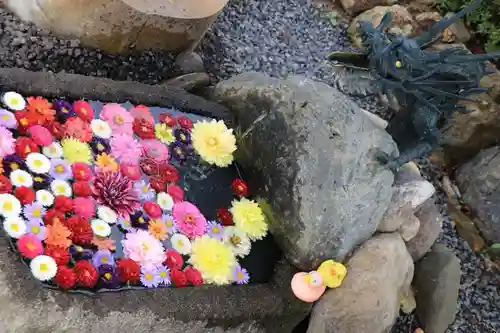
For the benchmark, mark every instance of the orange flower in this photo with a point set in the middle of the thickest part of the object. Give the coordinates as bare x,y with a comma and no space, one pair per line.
40,109
106,162
158,229
58,235
104,243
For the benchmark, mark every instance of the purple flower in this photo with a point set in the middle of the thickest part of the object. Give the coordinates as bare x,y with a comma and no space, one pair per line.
150,278
103,257
7,119
79,253
180,151
240,275
108,278
100,145
64,110
215,230
60,169
41,182
145,192
170,223
12,162
139,220
182,135
34,212
164,275
37,228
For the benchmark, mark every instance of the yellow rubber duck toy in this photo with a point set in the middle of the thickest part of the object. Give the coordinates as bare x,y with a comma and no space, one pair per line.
332,272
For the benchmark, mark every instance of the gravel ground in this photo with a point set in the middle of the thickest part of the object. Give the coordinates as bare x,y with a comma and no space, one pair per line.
279,37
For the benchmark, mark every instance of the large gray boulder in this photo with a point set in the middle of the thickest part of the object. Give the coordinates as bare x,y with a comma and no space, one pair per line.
312,152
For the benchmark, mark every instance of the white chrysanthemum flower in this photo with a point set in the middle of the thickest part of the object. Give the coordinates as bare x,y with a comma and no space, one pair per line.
61,187
100,228
53,151
165,201
100,128
107,214
9,205
20,178
14,226
38,163
44,197
14,101
237,240
181,243
43,267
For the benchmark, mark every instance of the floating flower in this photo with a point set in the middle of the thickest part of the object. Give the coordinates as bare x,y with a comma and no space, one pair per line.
11,163
103,257
63,204
240,187
14,226
155,150
60,255
5,185
249,218
157,229
43,267
56,129
24,121
139,220
131,171
150,277
38,163
41,109
54,150
7,142
21,178
35,211
214,142
101,228
193,276
189,219
37,229
174,259
169,173
64,110
164,133
41,182
100,145
14,101
170,223
237,240
106,163
179,278
150,166
143,248
81,230
176,192
84,110
60,169
141,112
23,146
125,224
182,135
240,275
213,259
79,253
61,187
185,122
53,215
108,277
152,209
126,149
25,195
115,191
107,214
144,191
144,129
40,135
9,205
157,183
29,246
44,197
100,128
104,243
78,129
58,235
167,119
65,277
332,273
215,230
165,201
180,151
81,171
7,119
181,244
76,151
118,119
86,274
128,270
164,274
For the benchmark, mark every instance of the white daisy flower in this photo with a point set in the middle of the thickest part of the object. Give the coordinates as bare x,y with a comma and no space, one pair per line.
9,205
44,197
181,243
43,267
14,101
237,240
53,151
100,228
107,214
61,187
100,128
38,163
165,201
14,226
20,178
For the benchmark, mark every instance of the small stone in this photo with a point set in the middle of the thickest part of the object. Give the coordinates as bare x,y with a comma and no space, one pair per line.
376,119
415,192
430,227
190,62
408,302
436,283
409,228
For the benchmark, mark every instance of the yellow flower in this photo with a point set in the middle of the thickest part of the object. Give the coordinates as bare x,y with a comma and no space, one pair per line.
164,133
76,151
106,162
333,273
214,142
249,218
213,259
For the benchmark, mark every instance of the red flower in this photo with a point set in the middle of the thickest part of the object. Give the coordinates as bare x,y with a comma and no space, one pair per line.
25,195
5,185
54,215
143,129
179,278
65,277
141,112
86,274
185,122
149,166
169,173
167,119
56,129
81,231
157,184
40,135
193,276
25,146
40,109
83,110
128,270
174,259
81,189
60,255
78,129
24,119
29,246
130,171
240,188
63,204
81,171
176,192
225,217
152,209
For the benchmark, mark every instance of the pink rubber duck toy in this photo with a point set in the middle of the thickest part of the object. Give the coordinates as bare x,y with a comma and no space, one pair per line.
308,287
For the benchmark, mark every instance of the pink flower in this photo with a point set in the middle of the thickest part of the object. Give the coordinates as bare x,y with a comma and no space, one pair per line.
155,149
83,207
143,248
189,219
126,149
6,142
142,112
118,119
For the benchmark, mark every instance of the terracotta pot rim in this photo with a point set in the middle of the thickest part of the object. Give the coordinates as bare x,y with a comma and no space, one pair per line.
180,9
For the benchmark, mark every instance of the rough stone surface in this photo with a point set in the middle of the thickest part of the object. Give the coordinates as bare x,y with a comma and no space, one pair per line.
357,6
313,152
189,62
437,282
379,275
431,222
479,181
